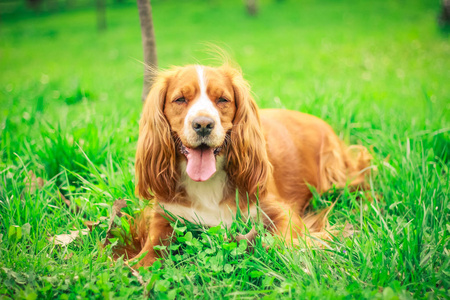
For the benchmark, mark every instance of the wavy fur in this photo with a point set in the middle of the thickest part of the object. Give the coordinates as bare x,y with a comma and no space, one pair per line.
156,172
248,164
273,155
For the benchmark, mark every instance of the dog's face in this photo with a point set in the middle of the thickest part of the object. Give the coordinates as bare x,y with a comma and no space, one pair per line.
200,107
198,113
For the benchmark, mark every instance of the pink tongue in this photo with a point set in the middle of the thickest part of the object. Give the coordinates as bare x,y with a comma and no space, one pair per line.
201,164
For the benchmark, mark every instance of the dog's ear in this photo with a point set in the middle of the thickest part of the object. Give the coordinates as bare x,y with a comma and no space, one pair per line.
248,163
156,173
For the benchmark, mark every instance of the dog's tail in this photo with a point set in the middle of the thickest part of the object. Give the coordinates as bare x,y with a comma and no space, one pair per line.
342,165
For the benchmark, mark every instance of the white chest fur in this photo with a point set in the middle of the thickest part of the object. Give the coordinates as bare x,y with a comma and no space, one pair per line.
205,199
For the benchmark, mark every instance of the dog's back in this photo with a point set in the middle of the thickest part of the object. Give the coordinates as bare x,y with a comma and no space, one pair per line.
304,150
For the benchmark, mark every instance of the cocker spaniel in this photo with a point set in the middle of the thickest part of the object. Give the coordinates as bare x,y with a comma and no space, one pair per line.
203,142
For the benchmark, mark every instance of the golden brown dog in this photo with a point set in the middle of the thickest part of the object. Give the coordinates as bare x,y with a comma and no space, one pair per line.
202,138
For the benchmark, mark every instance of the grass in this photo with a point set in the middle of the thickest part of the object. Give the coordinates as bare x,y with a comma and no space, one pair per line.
70,105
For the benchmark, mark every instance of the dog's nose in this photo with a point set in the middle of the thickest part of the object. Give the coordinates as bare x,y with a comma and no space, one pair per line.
203,125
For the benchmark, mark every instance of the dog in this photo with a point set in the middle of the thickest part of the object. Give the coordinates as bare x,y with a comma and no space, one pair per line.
203,142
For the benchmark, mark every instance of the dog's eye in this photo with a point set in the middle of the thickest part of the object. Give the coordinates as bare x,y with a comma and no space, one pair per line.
181,100
222,100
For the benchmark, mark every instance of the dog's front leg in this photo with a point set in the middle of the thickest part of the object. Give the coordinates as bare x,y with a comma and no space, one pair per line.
160,232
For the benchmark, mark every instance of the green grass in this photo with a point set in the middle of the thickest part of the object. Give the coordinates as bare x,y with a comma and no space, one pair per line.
378,71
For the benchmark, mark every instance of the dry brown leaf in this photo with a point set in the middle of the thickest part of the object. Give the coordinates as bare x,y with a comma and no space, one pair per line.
135,273
68,256
348,230
33,183
117,206
250,236
67,202
91,224
65,239
140,279
63,198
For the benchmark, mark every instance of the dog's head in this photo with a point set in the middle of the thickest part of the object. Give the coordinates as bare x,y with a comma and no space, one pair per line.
198,113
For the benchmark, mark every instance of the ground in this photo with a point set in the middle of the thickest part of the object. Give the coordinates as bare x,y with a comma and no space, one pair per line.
377,71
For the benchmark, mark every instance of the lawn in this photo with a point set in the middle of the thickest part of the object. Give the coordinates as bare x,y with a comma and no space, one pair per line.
377,71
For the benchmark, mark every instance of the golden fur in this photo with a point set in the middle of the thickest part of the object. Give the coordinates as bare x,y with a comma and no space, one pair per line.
270,155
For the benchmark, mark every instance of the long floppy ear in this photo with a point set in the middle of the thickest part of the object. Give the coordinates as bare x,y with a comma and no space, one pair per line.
248,163
156,151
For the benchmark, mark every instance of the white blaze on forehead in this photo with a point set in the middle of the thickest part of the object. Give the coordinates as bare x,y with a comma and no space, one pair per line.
201,78
203,104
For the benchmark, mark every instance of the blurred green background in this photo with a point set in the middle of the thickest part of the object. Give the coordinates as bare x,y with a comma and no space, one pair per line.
388,52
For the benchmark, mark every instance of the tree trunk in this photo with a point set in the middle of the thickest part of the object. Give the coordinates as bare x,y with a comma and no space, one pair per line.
70,4
34,4
101,15
444,17
252,7
148,44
